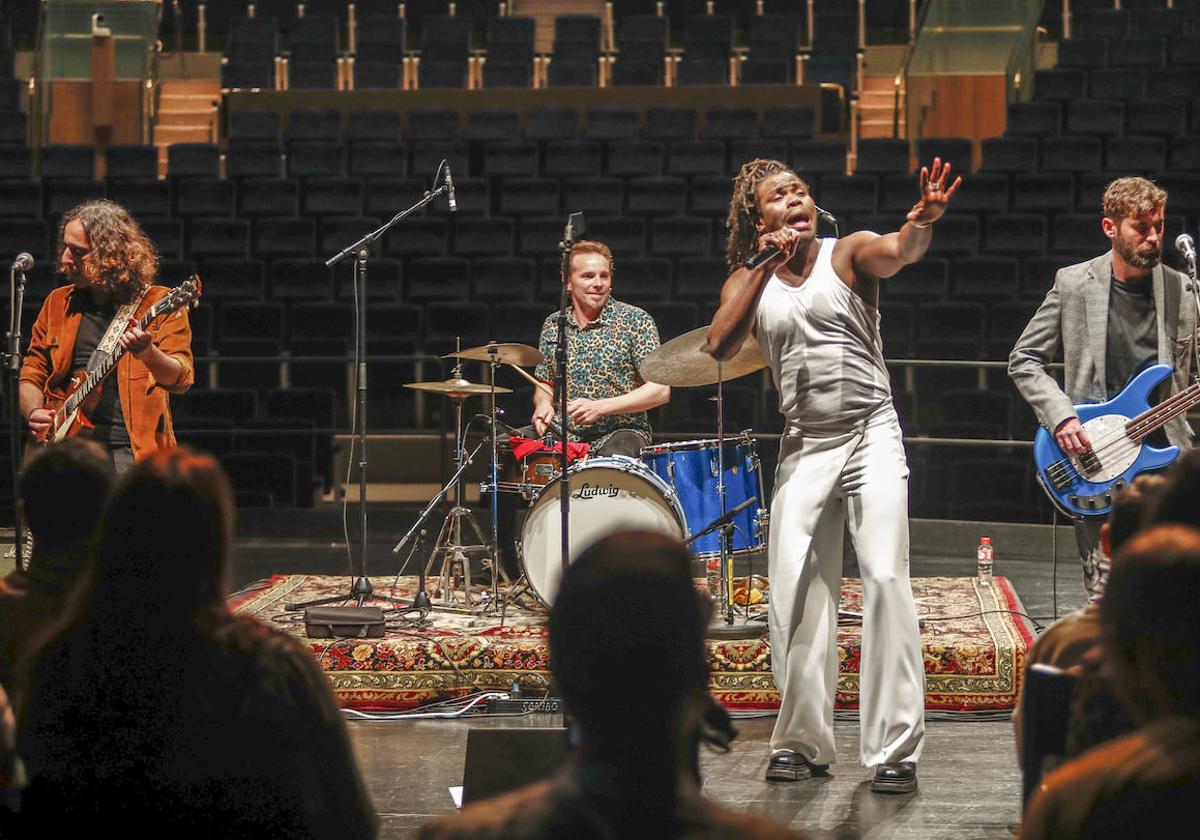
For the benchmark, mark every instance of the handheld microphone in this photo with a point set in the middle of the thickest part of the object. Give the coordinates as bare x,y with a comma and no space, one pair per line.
450,190
771,250
761,257
1185,245
23,262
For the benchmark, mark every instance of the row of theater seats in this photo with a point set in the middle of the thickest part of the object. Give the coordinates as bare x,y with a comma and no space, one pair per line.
718,122
708,48
673,238
337,206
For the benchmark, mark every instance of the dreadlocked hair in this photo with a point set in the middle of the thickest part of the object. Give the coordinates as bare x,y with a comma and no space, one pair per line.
122,258
743,209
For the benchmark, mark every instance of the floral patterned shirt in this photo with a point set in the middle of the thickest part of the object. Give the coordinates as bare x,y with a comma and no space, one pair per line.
602,362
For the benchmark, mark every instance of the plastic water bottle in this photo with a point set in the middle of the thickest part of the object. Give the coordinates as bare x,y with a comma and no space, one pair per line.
983,561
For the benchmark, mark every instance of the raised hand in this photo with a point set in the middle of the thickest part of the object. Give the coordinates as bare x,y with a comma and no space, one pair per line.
934,195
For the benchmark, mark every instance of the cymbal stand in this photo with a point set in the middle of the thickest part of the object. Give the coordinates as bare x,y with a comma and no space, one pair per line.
725,625
450,539
421,599
497,566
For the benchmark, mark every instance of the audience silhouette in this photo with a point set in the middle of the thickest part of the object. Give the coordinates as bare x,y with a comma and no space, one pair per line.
62,493
155,711
636,693
1145,783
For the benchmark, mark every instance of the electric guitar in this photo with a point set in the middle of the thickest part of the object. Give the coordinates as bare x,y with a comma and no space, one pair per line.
1084,485
83,391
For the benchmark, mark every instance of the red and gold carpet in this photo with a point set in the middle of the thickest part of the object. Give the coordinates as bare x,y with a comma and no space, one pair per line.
974,647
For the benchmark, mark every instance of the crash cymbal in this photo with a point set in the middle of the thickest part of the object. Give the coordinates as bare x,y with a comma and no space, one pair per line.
456,388
683,362
521,355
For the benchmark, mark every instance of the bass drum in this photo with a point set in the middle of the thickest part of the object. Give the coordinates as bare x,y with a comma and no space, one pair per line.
607,495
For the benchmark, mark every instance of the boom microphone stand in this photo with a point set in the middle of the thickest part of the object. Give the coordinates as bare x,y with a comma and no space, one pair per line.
16,298
574,229
361,589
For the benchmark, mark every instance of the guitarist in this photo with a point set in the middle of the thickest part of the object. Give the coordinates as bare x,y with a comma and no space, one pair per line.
1112,316
110,264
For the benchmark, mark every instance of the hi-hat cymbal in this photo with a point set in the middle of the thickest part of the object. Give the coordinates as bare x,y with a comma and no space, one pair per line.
683,362
456,388
521,355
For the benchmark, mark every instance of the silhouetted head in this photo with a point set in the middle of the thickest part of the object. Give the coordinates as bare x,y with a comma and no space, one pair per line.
1178,500
627,644
1148,620
63,491
167,533
1129,511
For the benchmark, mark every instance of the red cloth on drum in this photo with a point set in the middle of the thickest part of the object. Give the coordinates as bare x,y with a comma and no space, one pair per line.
522,446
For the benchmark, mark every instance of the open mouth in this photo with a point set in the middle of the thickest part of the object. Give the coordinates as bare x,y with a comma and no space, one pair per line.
799,220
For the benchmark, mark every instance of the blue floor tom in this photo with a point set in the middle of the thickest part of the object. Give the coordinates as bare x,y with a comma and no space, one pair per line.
691,469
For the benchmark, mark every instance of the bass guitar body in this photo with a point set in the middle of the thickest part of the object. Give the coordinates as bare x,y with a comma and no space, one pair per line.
1085,485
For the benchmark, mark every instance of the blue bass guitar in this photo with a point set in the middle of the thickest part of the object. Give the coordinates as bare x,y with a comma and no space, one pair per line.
1084,486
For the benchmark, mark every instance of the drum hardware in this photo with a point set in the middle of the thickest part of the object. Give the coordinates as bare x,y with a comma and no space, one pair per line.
685,361
449,545
361,588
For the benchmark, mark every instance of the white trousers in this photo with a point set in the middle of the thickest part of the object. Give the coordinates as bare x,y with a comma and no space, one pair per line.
823,484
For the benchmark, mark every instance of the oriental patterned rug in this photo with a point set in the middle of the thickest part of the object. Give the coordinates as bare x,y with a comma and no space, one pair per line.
974,643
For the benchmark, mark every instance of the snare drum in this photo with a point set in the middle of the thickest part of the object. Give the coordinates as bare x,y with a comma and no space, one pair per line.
691,469
528,475
607,495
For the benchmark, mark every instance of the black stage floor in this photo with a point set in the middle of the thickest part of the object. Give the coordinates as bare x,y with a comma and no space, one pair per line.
970,786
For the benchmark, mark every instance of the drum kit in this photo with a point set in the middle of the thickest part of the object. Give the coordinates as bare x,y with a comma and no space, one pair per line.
707,492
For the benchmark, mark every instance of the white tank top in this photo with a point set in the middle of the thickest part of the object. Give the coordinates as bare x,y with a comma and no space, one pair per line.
823,346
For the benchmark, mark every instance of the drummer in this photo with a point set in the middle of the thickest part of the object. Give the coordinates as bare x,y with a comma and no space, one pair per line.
607,399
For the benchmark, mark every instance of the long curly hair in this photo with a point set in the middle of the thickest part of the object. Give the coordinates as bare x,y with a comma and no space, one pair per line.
122,259
743,209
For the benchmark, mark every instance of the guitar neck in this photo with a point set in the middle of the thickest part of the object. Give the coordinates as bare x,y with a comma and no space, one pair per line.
1155,418
102,370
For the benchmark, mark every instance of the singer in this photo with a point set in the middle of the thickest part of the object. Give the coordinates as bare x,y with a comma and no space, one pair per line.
110,265
813,306
1112,316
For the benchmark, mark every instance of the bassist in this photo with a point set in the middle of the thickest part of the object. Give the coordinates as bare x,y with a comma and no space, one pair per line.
110,265
1111,316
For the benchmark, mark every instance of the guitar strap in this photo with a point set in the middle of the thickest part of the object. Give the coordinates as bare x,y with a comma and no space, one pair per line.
116,329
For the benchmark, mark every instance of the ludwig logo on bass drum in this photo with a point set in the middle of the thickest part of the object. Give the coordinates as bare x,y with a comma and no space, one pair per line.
589,491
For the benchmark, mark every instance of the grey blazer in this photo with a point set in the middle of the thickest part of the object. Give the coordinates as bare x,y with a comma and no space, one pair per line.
1074,316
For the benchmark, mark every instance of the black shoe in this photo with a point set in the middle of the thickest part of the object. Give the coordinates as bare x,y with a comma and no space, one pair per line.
792,767
896,777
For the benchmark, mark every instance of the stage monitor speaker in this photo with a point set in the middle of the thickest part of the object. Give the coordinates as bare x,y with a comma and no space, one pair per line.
500,760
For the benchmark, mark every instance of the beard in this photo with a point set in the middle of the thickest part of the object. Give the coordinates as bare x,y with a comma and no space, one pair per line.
1142,260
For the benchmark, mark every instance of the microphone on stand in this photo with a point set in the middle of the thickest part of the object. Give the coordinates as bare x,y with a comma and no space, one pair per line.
450,190
826,216
1186,246
23,262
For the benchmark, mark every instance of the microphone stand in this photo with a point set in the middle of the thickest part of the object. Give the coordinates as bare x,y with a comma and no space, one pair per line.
16,298
1190,256
575,228
361,589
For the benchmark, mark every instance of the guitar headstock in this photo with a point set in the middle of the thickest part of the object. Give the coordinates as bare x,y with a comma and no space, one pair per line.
185,294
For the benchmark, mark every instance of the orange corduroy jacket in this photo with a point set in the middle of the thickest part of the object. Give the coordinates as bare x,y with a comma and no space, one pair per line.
144,402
